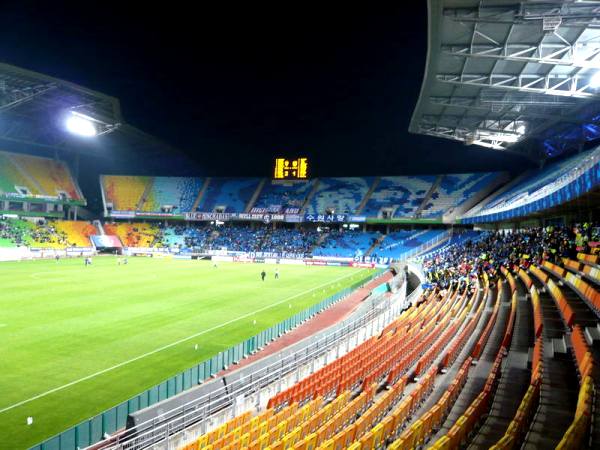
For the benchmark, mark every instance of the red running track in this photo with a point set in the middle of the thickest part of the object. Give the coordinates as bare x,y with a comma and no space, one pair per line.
325,319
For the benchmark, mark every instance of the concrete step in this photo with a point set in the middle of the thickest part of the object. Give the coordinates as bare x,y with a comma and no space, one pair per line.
559,345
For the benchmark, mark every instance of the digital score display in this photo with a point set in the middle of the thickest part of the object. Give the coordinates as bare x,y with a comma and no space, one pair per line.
291,169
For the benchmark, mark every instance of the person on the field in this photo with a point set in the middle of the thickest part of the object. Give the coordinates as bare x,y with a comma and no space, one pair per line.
125,260
263,274
277,274
88,261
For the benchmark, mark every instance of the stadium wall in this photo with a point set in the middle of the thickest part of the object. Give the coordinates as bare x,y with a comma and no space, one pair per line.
24,253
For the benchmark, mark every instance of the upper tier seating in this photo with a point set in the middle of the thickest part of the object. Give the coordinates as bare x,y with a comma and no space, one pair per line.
346,244
179,192
454,190
124,192
135,234
233,194
403,194
11,176
343,195
32,175
52,176
276,196
545,185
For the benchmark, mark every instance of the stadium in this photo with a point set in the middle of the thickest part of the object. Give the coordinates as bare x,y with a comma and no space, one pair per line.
294,308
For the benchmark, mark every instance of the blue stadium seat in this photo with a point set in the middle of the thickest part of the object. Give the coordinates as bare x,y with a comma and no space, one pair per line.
403,194
343,195
233,194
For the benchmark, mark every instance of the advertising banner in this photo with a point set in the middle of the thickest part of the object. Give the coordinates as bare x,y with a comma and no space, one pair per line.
357,218
106,241
122,214
327,218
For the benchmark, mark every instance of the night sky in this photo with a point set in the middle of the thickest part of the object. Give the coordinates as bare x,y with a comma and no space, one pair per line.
233,86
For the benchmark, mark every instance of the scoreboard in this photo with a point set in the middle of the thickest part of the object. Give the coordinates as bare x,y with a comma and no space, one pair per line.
291,169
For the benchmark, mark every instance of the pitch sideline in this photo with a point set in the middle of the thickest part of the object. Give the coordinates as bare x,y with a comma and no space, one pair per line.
164,347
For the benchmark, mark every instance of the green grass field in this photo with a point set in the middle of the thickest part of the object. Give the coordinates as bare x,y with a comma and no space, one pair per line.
75,341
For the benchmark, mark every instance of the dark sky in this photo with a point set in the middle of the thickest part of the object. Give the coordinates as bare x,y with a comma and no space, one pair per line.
233,86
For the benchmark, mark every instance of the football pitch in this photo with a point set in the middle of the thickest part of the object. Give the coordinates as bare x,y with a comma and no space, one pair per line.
75,340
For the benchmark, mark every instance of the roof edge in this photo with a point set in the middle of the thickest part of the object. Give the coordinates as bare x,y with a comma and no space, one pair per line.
434,14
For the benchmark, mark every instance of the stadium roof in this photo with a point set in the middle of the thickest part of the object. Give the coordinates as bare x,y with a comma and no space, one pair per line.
33,107
512,75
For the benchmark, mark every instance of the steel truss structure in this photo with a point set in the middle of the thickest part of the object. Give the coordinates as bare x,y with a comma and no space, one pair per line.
503,73
33,108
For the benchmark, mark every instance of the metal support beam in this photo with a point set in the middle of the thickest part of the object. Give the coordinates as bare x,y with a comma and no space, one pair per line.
9,98
538,54
553,84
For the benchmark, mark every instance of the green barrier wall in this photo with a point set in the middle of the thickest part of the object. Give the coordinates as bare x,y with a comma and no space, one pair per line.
92,430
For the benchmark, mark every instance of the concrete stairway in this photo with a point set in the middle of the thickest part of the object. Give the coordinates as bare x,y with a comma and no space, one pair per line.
558,398
201,194
375,245
99,227
515,378
368,195
478,375
257,192
430,192
309,197
145,194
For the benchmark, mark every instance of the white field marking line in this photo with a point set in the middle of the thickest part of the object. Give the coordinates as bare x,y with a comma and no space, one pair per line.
164,347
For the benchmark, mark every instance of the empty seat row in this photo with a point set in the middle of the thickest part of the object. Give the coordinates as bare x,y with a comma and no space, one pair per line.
579,428
394,350
415,435
406,342
564,308
577,433
588,258
373,428
521,422
461,431
538,324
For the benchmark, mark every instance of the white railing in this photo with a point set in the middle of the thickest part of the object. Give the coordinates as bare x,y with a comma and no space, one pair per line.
412,253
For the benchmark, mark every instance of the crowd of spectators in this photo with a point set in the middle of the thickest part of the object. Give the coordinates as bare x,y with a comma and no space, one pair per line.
285,240
234,237
239,238
510,249
21,232
347,243
264,239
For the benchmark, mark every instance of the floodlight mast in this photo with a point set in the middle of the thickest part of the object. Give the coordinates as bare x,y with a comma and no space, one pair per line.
80,125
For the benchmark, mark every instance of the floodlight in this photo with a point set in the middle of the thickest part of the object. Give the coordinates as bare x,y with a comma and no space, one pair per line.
521,129
80,125
595,80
